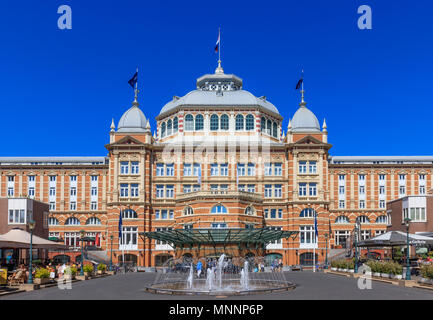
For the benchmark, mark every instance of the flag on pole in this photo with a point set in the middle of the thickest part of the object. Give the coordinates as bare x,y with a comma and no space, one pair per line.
315,226
120,225
217,45
298,85
199,176
133,80
300,82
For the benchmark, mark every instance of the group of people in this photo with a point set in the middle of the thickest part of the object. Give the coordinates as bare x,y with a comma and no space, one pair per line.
277,265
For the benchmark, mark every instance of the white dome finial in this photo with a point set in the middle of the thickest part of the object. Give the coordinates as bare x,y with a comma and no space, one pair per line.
324,127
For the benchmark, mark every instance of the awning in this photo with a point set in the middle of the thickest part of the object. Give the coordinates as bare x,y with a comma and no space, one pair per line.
396,239
179,237
17,238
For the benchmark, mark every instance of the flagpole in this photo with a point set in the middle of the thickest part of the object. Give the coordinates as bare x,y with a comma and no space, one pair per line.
219,51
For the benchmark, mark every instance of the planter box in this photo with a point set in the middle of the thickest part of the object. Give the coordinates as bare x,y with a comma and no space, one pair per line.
398,276
376,274
385,275
101,272
351,271
41,280
88,274
334,269
344,270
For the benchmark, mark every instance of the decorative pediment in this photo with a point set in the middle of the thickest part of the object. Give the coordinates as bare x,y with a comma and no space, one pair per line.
309,140
128,140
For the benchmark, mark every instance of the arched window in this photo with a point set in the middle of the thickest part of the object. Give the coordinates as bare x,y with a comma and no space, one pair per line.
189,122
382,219
219,209
175,125
249,122
308,213
214,122
93,221
199,122
163,130
224,122
275,130
188,211
263,124
53,221
239,122
342,219
363,219
169,127
269,127
249,211
129,214
72,222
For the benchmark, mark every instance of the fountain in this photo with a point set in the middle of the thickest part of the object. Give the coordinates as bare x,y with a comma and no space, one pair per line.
225,276
191,276
244,276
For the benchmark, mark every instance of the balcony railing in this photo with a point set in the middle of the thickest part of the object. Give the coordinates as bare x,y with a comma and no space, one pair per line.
220,194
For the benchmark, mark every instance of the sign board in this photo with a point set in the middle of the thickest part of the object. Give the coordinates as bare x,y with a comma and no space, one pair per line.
3,276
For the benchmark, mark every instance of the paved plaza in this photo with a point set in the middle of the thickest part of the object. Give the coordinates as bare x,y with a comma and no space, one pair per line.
309,286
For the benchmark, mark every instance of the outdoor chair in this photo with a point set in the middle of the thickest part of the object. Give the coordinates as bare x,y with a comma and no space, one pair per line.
17,279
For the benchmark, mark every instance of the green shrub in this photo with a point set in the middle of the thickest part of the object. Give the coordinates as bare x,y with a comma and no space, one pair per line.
343,264
88,268
42,273
101,267
385,267
427,271
71,270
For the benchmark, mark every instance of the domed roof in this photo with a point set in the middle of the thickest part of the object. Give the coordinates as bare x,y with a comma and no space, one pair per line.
223,98
305,121
132,120
219,90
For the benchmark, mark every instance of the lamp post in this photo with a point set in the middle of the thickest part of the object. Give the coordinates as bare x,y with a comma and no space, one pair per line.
357,227
82,233
326,250
407,221
111,256
32,225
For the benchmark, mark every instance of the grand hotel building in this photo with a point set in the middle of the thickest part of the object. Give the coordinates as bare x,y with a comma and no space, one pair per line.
219,158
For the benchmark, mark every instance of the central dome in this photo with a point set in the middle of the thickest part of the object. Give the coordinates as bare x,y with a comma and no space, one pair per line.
219,90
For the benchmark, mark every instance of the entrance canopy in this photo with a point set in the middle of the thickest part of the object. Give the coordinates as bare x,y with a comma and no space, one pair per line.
396,239
179,237
17,238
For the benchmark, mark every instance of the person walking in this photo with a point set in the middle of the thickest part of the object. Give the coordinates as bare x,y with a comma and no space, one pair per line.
199,268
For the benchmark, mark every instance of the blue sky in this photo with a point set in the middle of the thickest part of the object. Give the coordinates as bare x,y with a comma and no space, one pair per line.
59,89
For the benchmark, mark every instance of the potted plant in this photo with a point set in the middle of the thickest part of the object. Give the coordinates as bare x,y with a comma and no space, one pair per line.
385,270
42,276
102,268
88,270
334,265
427,274
70,273
396,270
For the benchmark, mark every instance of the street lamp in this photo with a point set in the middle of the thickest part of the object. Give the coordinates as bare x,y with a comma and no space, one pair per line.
82,233
407,222
111,256
32,225
326,250
357,227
